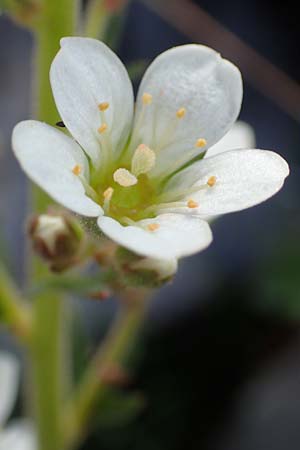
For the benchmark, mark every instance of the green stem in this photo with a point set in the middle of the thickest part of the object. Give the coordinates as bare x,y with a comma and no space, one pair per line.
92,388
12,306
57,18
47,370
97,18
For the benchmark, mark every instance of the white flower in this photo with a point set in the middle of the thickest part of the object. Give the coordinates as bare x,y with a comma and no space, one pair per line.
18,434
131,169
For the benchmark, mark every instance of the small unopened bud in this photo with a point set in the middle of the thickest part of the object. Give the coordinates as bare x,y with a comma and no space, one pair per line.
56,239
161,270
145,272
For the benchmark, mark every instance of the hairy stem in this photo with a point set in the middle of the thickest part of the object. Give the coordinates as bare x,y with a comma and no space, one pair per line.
57,18
47,370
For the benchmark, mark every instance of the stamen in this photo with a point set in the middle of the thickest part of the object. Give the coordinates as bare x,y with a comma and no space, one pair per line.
168,134
181,113
143,160
201,143
107,194
135,138
103,128
77,169
124,178
153,226
128,221
147,99
187,156
103,106
211,181
192,204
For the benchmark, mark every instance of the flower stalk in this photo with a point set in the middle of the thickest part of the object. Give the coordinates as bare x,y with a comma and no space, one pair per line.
113,351
57,18
12,308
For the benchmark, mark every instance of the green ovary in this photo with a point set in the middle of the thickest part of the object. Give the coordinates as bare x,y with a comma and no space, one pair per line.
129,202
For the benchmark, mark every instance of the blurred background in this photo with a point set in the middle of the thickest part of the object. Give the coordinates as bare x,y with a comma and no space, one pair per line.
218,363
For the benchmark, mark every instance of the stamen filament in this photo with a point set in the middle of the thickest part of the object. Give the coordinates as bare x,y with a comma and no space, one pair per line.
89,190
177,194
128,221
170,130
107,194
146,101
103,130
189,155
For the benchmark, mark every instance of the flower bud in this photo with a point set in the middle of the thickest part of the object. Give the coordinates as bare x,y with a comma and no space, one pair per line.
146,272
57,239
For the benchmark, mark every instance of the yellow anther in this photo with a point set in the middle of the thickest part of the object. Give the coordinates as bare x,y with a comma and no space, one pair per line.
153,226
211,181
103,106
124,178
143,160
107,194
147,99
103,128
192,204
77,169
181,113
201,142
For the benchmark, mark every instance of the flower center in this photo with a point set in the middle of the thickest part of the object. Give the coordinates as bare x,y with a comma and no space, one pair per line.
126,188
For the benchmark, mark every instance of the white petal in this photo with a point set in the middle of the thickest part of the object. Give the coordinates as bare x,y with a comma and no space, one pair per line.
48,156
85,73
240,136
9,379
176,236
244,179
19,435
196,78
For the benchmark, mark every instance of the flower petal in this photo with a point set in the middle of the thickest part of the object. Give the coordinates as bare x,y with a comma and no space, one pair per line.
240,136
48,157
193,79
244,178
175,236
84,74
9,379
19,435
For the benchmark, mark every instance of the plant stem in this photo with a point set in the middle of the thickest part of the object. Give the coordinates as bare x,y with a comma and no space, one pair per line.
47,370
97,18
57,19
12,306
91,389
